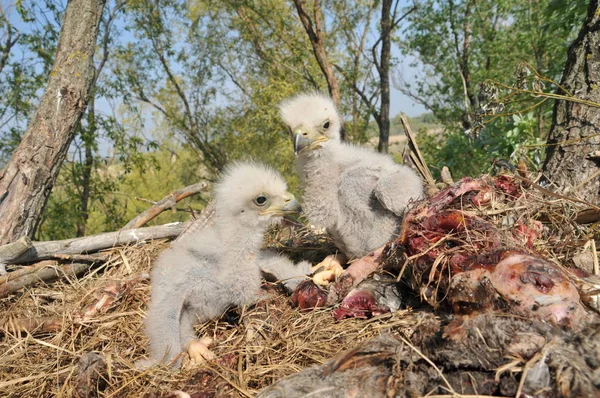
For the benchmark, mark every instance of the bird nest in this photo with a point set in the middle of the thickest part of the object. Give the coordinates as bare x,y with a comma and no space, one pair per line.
81,336
58,338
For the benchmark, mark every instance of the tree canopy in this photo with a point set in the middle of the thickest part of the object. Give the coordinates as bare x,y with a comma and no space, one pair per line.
180,88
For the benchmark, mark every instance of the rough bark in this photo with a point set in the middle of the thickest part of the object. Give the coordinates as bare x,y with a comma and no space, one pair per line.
27,179
571,165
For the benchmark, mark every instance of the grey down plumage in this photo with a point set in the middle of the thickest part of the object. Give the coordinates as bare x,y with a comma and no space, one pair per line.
210,270
357,194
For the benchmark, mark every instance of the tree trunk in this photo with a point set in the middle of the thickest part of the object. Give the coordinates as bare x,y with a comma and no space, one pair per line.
27,179
88,165
314,30
572,155
384,76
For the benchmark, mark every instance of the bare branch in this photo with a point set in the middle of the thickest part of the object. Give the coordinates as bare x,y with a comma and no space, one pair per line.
9,43
90,244
166,203
316,35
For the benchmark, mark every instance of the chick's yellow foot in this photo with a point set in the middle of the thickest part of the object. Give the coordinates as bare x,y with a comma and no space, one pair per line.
199,352
328,270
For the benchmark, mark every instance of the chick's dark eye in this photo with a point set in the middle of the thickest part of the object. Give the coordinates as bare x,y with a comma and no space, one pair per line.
260,200
326,125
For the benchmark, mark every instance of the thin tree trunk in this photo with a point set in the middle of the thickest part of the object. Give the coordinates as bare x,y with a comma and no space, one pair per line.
27,179
88,165
572,155
384,76
314,30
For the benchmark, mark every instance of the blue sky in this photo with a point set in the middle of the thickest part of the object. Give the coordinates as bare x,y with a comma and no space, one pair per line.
399,101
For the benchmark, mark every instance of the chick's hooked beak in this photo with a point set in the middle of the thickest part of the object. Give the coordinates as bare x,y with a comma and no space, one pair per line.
284,206
307,138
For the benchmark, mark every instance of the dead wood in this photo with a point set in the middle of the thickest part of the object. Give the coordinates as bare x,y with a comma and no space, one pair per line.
11,276
416,155
90,244
168,202
13,250
46,273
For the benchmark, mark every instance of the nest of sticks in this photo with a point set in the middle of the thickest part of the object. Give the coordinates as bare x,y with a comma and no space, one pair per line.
80,335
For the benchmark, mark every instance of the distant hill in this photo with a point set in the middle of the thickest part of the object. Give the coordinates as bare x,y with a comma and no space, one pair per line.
425,121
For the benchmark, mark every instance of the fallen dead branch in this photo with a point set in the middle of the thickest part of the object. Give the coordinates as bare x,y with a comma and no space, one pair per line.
14,250
89,244
168,202
46,272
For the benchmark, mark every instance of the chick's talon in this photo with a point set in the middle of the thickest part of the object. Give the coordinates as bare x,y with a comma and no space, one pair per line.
330,262
323,278
199,352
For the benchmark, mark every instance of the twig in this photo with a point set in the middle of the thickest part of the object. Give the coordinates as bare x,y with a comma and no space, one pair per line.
9,383
526,369
418,157
595,257
168,202
554,194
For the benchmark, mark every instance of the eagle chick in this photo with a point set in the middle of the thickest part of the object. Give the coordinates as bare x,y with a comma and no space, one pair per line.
357,194
218,267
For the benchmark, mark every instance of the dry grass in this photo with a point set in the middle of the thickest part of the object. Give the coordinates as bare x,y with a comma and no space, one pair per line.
272,341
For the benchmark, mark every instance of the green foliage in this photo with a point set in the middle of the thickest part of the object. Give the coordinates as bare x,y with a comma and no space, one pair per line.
459,45
26,68
464,156
115,192
189,86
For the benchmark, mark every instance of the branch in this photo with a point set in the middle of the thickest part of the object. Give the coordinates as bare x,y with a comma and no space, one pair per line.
168,202
204,219
90,244
418,159
360,92
318,45
106,39
45,273
7,47
142,97
393,26
15,249
173,80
